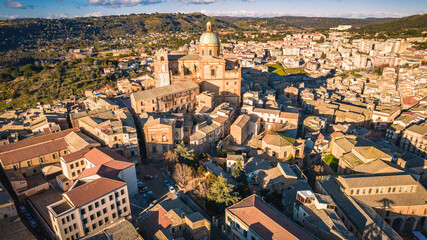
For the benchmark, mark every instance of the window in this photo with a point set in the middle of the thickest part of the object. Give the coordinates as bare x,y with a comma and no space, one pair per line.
15,168
114,215
68,218
370,191
153,138
104,211
122,192
210,52
102,201
96,204
63,221
73,174
106,219
212,72
84,220
111,197
54,156
41,159
81,162
125,209
72,216
123,200
351,192
112,206
90,207
29,163
92,217
86,230
72,165
100,222
75,226
94,226
164,138
65,230
77,164
98,213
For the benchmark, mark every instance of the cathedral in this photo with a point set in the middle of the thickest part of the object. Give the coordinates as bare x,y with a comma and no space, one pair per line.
207,67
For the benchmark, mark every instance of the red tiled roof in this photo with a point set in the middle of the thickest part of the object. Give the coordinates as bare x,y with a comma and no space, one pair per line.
93,190
289,115
266,221
107,157
220,119
30,152
36,140
156,221
75,155
409,101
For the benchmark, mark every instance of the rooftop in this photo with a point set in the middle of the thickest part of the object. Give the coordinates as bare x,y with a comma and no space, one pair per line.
266,221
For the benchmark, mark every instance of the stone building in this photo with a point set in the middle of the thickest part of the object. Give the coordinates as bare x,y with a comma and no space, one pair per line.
177,97
212,71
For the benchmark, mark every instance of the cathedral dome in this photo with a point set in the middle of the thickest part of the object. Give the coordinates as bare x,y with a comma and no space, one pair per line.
209,37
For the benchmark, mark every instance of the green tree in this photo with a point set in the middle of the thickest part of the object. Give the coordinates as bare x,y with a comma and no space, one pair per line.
184,152
222,192
237,171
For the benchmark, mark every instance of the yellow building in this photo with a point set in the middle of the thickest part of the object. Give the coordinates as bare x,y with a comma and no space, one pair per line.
208,68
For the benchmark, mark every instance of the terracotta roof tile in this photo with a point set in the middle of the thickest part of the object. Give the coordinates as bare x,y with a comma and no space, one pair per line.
93,190
266,221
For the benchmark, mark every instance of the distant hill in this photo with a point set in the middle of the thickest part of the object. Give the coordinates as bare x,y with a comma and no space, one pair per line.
301,22
401,27
102,28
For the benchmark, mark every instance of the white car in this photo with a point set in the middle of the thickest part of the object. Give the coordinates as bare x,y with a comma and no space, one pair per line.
172,189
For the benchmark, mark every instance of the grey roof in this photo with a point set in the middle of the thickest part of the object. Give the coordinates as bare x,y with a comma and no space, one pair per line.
219,172
163,91
256,163
363,217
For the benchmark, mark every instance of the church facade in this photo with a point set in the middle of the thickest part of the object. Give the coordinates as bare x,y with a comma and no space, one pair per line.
208,68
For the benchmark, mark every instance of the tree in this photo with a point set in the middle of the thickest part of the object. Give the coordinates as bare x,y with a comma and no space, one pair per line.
202,189
182,173
237,171
184,152
222,192
170,157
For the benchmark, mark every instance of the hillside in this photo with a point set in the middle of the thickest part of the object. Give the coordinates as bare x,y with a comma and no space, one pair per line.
100,28
279,23
401,27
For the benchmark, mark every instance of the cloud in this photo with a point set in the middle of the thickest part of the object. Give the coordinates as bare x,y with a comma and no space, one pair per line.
60,1
55,15
93,14
14,4
9,16
122,3
206,1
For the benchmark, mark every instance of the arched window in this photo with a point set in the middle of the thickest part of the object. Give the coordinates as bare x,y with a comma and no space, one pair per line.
162,58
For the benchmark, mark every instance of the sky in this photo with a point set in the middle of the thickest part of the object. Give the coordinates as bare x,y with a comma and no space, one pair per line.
11,9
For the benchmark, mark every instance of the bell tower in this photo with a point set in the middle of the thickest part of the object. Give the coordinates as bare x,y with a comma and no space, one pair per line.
161,68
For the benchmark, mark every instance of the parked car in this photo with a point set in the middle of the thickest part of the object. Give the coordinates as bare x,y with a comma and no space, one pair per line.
167,183
138,171
172,189
143,190
147,177
33,223
139,182
28,216
148,194
22,209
